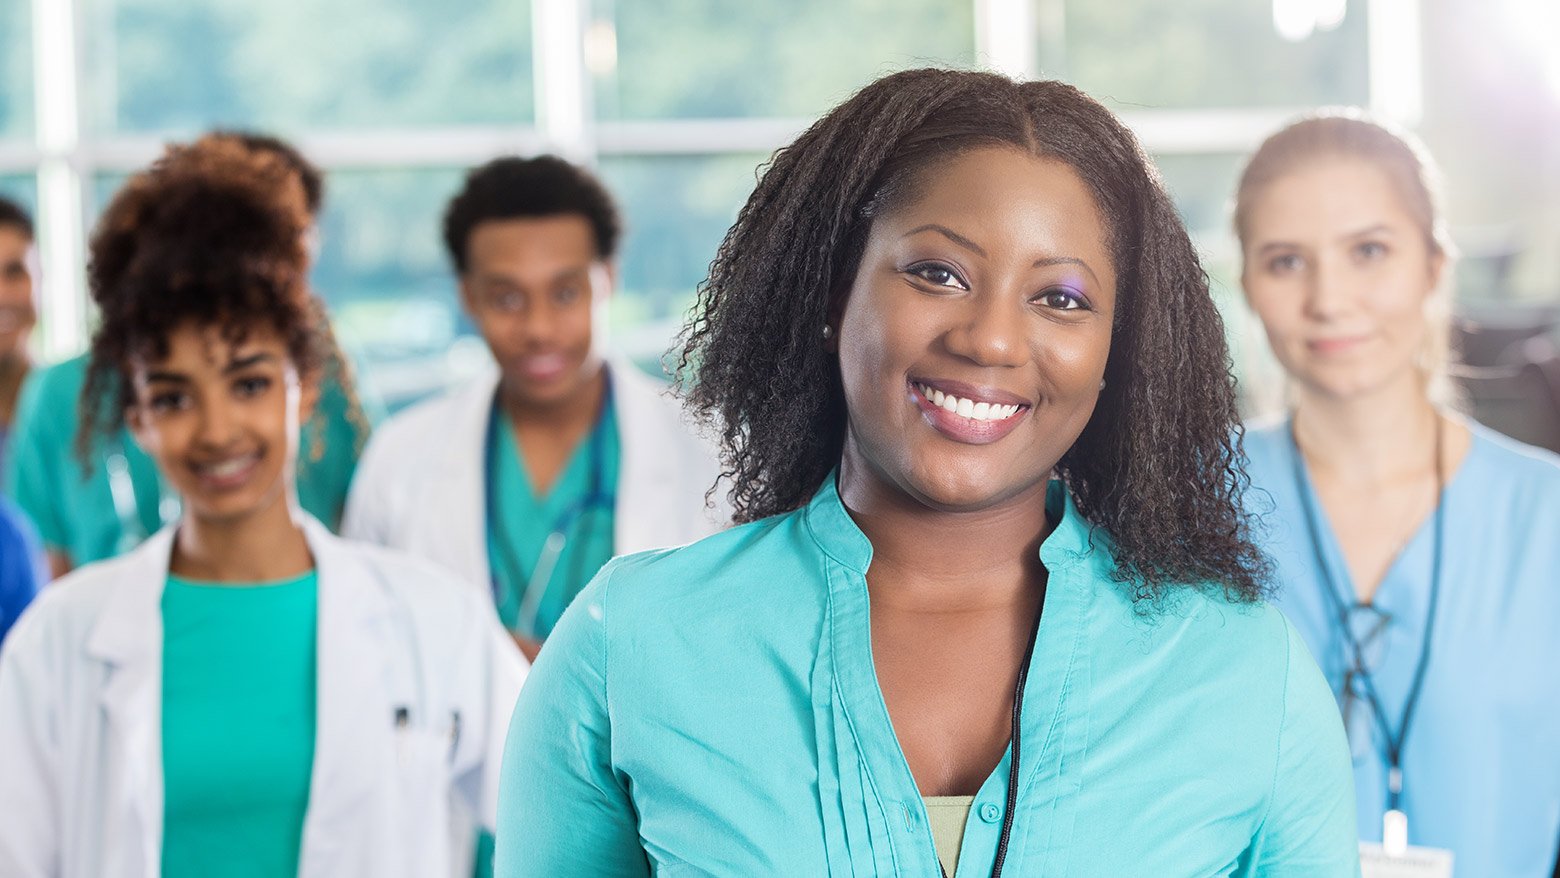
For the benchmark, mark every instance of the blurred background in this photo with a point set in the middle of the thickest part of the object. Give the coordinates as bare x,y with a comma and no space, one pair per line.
678,102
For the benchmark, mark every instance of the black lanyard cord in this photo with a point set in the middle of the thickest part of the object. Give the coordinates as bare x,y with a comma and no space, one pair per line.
1018,727
1394,741
1017,735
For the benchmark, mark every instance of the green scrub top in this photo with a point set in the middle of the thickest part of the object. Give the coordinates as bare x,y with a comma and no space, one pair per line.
238,716
76,513
580,506
714,709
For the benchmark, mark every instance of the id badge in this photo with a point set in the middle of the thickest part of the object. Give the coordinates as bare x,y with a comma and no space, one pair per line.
1414,862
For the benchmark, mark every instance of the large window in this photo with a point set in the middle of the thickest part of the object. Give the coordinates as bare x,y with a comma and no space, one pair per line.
676,102
164,66
715,59
16,81
1196,54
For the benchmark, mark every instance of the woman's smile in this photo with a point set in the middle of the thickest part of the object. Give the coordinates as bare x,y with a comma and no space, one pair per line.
968,414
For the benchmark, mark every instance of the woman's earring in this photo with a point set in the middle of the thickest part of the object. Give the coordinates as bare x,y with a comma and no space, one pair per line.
1102,383
828,332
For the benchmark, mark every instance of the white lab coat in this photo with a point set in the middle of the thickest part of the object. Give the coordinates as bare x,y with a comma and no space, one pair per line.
81,786
420,485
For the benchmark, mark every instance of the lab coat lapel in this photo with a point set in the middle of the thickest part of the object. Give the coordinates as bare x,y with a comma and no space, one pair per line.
459,513
356,628
647,480
127,639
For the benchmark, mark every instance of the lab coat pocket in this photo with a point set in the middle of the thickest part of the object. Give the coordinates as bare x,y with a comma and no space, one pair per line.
422,790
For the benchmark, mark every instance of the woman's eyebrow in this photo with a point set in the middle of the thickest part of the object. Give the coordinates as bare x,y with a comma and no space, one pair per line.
1066,260
243,363
950,234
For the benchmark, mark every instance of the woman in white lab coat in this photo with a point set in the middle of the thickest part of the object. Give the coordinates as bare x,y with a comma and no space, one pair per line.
244,694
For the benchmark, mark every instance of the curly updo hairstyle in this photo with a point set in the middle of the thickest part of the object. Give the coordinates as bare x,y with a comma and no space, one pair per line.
1157,468
201,237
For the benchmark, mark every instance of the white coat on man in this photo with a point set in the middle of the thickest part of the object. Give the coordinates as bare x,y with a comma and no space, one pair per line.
81,783
421,483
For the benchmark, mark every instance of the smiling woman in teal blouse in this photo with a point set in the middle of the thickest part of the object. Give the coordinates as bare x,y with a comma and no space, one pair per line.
994,610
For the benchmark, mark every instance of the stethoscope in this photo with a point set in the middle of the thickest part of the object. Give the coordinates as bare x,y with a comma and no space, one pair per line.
121,489
597,496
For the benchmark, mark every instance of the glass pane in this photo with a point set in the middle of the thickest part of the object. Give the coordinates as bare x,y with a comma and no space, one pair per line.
1139,54
390,288
677,209
704,58
182,65
16,75
22,189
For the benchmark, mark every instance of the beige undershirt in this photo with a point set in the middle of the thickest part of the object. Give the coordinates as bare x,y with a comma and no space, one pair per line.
947,816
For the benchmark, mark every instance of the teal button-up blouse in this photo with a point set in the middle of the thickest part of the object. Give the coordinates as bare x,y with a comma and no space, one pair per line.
714,710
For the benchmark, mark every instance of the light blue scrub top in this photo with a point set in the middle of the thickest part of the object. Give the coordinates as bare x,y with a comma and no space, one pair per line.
1481,768
714,709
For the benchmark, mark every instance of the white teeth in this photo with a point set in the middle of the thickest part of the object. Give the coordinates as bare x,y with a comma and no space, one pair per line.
229,467
968,408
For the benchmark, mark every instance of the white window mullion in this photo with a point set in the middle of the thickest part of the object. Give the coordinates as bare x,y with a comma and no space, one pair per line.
564,112
61,239
1005,37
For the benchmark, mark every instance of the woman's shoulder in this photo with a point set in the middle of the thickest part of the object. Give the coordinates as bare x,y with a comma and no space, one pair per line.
1266,442
1517,461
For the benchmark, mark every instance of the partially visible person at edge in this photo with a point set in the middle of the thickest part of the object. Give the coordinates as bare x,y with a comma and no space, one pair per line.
1418,550
244,693
22,566
88,512
528,479
994,609
18,308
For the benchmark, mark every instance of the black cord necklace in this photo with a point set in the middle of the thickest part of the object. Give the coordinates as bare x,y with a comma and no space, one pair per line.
1394,740
1018,724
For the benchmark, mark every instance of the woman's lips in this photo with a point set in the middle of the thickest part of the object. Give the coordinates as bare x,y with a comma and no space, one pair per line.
1336,345
973,416
229,474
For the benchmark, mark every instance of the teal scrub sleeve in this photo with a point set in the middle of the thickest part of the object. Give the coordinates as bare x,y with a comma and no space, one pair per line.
562,808
32,460
1310,828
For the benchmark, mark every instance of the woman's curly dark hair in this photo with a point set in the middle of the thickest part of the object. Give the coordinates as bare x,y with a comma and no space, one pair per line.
1157,468
207,235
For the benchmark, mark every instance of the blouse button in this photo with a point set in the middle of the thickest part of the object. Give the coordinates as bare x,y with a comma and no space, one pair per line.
990,813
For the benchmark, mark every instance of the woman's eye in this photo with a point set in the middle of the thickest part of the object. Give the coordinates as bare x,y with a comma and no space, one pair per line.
163,403
1287,263
1370,250
566,295
1061,300
247,387
938,275
509,302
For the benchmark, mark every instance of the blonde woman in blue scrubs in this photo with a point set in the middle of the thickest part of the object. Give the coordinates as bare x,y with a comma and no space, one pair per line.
1417,550
244,694
993,610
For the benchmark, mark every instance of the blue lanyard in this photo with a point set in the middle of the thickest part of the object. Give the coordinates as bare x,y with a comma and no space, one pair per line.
596,497
1394,741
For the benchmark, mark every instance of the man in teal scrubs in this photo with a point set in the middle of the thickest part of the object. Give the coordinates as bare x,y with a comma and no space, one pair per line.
86,514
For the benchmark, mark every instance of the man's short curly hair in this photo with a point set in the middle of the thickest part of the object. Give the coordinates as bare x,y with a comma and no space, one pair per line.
516,188
1157,468
200,237
12,216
